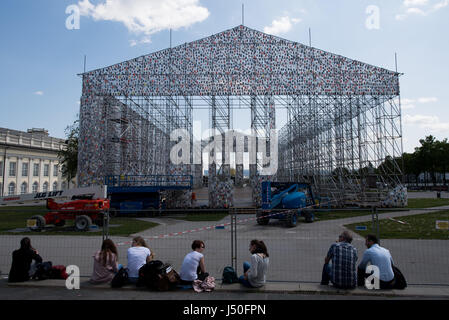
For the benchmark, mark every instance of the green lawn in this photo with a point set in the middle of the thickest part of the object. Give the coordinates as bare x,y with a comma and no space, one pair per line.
412,204
341,214
426,203
15,217
417,227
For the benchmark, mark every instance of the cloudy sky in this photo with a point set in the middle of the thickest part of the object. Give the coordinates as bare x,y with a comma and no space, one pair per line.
43,47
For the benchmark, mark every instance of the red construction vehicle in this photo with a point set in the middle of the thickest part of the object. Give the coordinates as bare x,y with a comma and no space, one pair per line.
83,210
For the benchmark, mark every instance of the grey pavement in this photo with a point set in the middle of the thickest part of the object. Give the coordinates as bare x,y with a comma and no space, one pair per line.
51,289
426,194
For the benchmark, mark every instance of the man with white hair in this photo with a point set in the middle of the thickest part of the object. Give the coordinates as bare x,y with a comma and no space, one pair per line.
342,271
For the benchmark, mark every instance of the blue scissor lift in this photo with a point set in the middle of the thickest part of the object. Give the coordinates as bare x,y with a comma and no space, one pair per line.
296,198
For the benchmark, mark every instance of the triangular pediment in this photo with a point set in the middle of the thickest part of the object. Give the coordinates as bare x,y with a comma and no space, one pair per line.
241,61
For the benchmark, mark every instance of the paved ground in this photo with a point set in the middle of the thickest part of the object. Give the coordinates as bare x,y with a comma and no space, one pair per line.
296,254
55,289
426,194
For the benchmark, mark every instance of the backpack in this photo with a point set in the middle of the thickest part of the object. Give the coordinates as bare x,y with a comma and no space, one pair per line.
158,276
148,273
168,279
229,275
43,271
58,272
120,278
399,279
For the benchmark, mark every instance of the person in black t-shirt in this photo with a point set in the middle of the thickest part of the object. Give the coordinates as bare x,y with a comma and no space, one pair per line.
21,261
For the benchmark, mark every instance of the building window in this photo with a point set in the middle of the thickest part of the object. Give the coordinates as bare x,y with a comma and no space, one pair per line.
55,170
46,170
35,187
12,169
11,189
45,187
1,168
24,188
55,186
36,170
25,169
1,189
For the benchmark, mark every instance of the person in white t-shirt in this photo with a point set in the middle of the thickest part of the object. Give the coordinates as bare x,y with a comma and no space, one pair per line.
255,272
193,267
138,255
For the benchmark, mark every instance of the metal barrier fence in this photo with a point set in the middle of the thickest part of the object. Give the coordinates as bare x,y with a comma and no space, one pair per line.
297,254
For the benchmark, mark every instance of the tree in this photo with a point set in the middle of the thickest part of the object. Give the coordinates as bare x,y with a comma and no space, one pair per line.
442,157
411,165
427,155
68,156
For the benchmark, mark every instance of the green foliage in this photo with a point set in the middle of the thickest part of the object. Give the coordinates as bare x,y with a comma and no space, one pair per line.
431,157
68,157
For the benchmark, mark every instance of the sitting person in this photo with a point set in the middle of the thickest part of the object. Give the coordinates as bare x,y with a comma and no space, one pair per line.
138,255
105,263
380,257
193,267
21,261
342,271
255,272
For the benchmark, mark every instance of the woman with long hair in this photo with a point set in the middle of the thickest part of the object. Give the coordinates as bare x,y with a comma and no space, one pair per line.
21,261
105,263
138,255
255,272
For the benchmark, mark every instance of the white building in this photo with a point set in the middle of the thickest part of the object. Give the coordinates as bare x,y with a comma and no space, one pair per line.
29,162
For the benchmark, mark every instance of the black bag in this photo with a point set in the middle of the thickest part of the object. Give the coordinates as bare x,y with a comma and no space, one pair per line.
43,271
229,275
399,279
168,279
120,278
156,275
148,274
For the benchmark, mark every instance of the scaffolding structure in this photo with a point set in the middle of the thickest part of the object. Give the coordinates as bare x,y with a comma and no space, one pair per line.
343,133
345,146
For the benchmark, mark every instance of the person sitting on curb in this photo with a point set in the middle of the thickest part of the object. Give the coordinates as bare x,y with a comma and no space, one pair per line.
138,255
342,271
255,272
193,267
105,263
21,261
380,257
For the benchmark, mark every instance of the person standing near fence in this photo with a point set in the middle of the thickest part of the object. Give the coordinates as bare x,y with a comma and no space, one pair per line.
21,261
380,257
342,271
138,255
105,263
193,266
254,275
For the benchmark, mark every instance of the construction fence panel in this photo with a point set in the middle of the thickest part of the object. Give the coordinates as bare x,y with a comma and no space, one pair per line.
416,238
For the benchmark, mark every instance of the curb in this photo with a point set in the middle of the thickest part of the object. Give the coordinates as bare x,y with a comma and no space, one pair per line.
282,288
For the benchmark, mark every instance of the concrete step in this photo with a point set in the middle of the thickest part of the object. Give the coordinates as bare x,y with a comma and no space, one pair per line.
414,291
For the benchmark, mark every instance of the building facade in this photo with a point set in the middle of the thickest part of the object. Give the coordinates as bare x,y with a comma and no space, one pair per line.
29,162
